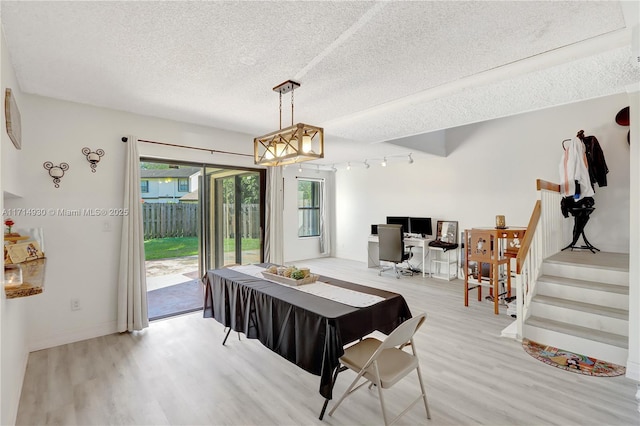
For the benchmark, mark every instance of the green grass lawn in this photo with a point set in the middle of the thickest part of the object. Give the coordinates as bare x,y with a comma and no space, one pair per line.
166,248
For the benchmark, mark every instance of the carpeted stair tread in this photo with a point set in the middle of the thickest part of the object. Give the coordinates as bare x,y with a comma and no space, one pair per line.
611,262
590,308
589,285
578,331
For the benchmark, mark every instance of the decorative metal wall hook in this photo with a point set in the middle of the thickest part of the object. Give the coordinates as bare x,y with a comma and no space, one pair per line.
56,172
93,157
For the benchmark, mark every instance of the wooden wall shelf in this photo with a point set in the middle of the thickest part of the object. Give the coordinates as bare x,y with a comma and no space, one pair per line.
32,280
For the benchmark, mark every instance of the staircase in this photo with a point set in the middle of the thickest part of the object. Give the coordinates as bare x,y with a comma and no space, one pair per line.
581,304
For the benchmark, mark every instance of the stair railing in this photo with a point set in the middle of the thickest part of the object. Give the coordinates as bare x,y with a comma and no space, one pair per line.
543,238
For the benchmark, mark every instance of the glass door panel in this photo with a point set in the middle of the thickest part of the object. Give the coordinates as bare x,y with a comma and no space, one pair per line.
225,205
249,224
232,217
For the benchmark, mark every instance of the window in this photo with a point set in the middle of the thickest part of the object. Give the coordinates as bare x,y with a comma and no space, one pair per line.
183,185
144,186
309,204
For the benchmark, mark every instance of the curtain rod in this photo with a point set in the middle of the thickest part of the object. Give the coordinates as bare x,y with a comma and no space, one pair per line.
125,139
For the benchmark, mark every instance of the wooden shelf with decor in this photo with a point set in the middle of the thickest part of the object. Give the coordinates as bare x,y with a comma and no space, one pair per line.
24,266
32,281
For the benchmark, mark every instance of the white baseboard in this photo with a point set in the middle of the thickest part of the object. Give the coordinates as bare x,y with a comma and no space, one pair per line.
511,331
633,371
74,336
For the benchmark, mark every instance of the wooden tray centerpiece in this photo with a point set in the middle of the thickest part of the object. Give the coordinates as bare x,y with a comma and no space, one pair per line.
290,275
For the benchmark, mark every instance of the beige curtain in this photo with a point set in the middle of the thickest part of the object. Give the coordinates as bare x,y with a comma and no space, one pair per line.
132,281
325,237
274,229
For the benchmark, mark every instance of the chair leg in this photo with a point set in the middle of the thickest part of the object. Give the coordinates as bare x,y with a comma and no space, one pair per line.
396,270
466,291
352,388
424,393
509,279
379,385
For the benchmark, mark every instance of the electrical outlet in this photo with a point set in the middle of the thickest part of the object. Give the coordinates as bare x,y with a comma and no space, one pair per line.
75,304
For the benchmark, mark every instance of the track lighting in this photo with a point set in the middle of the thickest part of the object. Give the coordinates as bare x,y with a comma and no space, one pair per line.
383,161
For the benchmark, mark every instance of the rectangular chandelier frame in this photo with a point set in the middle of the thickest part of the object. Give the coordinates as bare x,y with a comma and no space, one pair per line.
293,144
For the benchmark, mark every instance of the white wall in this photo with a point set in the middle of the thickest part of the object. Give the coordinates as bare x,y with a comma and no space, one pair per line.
491,169
13,312
82,257
633,364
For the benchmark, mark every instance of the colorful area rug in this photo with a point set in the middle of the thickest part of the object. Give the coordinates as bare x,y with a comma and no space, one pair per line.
571,361
175,300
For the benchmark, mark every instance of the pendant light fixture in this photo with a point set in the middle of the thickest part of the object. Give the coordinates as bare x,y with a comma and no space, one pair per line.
294,144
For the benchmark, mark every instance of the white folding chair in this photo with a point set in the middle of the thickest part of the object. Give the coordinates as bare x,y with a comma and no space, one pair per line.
384,363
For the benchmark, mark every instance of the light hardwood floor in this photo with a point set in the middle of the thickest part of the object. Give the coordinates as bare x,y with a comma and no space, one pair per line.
177,372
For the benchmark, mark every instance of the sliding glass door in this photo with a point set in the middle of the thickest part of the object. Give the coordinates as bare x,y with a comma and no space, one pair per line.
233,217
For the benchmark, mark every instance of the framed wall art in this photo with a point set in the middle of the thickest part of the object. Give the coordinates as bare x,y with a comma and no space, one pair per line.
12,119
447,231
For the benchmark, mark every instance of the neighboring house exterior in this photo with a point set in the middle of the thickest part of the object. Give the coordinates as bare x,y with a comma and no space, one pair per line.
191,197
168,185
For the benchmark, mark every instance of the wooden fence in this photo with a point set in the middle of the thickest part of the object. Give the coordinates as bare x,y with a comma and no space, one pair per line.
163,220
249,221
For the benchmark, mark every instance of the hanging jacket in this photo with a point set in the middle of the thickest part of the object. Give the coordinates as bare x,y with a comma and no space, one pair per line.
574,171
595,159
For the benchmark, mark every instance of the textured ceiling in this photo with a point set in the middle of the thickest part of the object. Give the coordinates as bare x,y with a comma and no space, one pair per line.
370,71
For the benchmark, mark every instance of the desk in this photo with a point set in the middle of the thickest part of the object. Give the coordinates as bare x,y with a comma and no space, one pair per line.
493,246
307,330
373,259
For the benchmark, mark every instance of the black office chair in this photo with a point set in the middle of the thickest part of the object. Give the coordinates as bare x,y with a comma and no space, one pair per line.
391,248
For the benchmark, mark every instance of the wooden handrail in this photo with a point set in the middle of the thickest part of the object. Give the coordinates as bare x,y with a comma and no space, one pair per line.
549,186
528,236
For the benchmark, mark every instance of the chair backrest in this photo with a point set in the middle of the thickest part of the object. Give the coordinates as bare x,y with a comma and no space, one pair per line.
481,245
403,333
390,243
514,241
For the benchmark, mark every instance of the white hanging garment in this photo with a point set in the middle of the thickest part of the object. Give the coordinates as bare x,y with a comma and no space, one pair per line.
574,167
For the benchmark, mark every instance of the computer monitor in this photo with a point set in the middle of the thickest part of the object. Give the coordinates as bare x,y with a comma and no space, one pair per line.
399,220
420,225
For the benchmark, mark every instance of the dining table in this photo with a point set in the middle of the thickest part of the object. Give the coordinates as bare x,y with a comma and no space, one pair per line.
309,325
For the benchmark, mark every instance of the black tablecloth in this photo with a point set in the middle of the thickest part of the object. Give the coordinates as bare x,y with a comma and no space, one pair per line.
308,330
